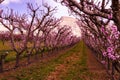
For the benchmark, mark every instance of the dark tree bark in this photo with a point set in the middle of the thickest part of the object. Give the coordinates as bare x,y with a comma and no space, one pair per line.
1,1
116,12
17,60
89,8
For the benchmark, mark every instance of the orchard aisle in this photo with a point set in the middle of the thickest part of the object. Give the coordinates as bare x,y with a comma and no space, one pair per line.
79,65
95,68
75,63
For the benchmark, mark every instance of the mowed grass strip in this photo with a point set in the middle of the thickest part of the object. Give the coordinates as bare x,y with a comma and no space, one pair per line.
76,64
77,68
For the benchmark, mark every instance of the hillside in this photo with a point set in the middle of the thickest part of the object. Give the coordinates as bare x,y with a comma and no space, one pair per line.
70,21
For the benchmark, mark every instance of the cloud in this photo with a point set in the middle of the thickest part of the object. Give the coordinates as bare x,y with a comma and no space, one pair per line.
7,2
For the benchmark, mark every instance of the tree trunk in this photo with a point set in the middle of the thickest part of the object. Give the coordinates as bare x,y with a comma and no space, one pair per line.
17,60
36,55
28,59
113,71
116,12
1,64
108,64
3,42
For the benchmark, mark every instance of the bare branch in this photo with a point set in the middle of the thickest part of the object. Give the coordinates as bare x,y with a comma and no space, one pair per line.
1,1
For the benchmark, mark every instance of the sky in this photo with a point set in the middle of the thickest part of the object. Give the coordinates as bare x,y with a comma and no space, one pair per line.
21,7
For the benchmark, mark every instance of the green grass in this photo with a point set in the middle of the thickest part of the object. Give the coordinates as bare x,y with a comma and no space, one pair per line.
79,68
12,54
7,48
75,70
4,47
36,72
41,70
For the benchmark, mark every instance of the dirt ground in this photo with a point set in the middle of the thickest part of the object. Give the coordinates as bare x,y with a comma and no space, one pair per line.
94,67
9,67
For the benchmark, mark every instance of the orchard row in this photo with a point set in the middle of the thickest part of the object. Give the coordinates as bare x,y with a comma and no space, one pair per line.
34,32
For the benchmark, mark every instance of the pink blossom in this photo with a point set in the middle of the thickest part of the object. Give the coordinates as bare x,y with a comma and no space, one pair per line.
117,56
110,16
102,28
104,54
103,62
110,49
114,28
116,36
111,56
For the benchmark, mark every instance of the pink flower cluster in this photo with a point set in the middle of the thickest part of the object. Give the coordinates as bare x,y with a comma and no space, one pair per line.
112,38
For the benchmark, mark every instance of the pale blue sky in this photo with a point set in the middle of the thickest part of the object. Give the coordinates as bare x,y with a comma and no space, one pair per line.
20,6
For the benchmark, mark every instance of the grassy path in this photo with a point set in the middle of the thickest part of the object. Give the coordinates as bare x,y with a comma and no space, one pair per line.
74,64
79,65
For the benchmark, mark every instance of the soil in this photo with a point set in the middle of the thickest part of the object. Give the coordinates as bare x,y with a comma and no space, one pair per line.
61,69
94,66
9,67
